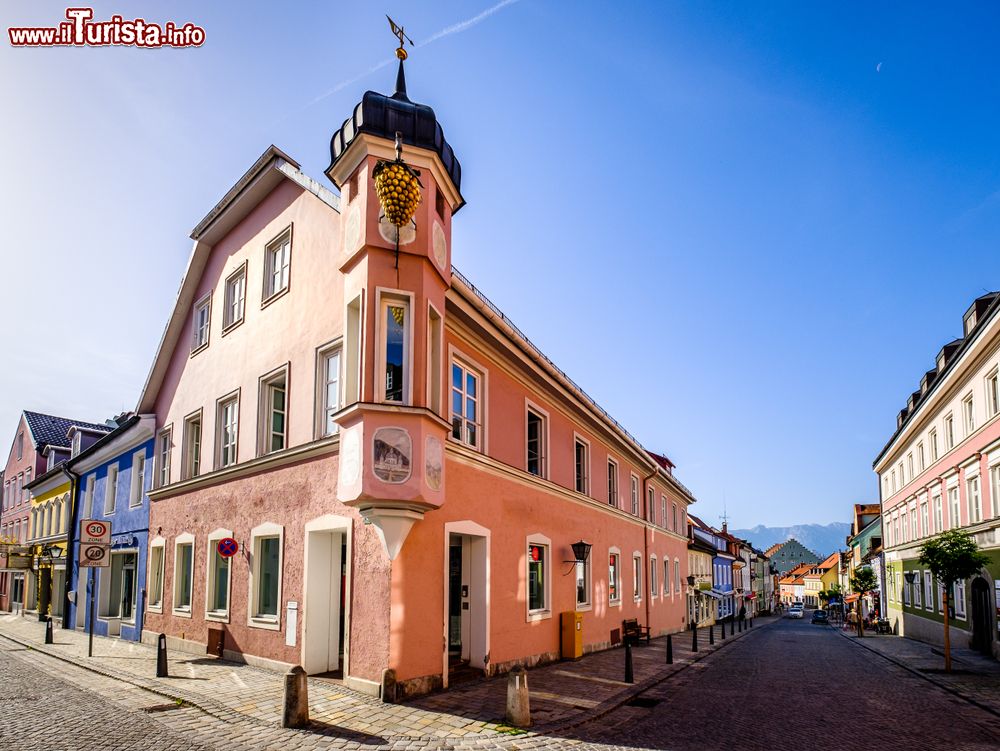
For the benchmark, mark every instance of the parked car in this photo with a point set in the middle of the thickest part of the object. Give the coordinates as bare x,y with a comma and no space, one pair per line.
795,611
820,616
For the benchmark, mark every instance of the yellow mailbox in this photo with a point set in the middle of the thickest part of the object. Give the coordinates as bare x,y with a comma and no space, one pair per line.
571,623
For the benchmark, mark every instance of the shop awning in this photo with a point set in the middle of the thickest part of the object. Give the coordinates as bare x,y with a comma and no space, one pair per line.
710,593
851,598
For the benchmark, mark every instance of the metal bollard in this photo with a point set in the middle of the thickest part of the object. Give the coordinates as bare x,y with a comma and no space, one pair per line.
48,631
751,623
670,650
694,639
295,704
711,634
161,657
739,625
518,706
629,676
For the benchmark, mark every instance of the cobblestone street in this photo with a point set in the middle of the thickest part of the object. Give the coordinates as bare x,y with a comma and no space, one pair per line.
753,686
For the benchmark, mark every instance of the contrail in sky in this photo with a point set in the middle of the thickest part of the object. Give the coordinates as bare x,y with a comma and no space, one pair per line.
455,28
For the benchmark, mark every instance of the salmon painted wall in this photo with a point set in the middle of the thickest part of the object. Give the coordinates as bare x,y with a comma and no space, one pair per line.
287,329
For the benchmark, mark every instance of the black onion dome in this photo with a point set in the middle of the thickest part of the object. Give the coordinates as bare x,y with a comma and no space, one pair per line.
382,116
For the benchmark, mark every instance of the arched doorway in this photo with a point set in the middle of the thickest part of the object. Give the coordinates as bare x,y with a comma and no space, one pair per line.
982,620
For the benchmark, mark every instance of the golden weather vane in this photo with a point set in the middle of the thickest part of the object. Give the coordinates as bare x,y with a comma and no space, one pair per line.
401,35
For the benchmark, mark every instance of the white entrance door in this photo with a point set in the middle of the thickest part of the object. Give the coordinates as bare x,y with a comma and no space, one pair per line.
466,596
325,589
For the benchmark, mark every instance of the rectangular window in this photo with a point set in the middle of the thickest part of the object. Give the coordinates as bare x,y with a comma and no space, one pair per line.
664,520
227,430
395,350
163,457
26,494
921,459
612,482
435,329
200,322
465,409
666,577
635,495
537,558
329,369
960,599
954,521
274,413
653,588
975,502
536,443
906,591
932,440
909,465
183,572
925,527
938,517
995,485
138,485
88,497
969,414
156,576
637,578
650,506
993,393
277,261
917,586
893,481
236,286
111,489
581,466
677,576
913,521
928,591
676,524
614,578
583,583
218,581
906,527
266,565
191,457
949,432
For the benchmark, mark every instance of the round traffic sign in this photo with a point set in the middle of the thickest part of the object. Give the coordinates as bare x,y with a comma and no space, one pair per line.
227,547
95,552
97,529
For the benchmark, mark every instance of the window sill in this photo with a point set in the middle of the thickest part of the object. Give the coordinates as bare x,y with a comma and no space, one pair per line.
268,623
154,609
614,603
276,296
218,616
233,326
182,613
198,349
538,615
584,608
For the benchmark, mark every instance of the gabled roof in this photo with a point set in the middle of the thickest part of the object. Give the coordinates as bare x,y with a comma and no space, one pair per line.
830,562
49,430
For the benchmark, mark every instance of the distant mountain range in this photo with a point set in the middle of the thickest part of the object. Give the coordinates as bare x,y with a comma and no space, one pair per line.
822,539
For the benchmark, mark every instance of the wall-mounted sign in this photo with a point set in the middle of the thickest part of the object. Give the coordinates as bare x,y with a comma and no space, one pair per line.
19,561
227,547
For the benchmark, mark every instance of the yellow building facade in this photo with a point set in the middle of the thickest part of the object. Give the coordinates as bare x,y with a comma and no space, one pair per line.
51,509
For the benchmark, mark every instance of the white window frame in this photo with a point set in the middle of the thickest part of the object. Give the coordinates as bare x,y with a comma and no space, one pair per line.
667,581
969,414
188,457
588,582
88,495
921,457
954,507
184,611
613,493
654,587
974,497
385,297
938,512
164,449
545,612
650,514
663,511
638,565
230,317
995,489
111,489
197,328
960,599
928,591
918,587
543,449
220,437
677,575
634,493
580,442
137,484
255,620
616,585
993,393
468,368
949,431
154,582
270,292
323,409
265,411
211,557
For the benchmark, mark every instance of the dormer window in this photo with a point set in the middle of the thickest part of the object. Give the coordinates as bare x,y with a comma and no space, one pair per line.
970,321
77,438
940,362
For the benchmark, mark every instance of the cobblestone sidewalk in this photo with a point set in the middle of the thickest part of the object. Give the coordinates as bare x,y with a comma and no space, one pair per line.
974,677
563,694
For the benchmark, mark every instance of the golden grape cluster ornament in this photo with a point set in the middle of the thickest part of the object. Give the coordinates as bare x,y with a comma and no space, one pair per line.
398,190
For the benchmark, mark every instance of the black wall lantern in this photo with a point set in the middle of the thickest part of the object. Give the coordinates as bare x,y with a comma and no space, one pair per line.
581,551
910,576
691,581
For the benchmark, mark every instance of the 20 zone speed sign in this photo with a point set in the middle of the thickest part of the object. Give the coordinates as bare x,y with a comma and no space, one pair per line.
95,555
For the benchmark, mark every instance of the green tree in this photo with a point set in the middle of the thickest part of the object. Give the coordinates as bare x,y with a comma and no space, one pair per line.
863,582
951,556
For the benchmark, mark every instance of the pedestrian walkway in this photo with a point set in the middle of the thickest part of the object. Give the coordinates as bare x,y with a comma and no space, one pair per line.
563,694
974,677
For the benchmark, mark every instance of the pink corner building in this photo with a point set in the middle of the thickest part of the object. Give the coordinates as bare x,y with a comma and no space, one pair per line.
417,492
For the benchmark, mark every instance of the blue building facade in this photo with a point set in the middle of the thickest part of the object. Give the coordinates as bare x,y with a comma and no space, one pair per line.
115,475
722,578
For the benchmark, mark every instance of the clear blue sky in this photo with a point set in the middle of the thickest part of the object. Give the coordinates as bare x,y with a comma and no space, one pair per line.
723,220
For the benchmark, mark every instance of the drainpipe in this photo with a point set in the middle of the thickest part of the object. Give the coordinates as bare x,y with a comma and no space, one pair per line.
73,482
